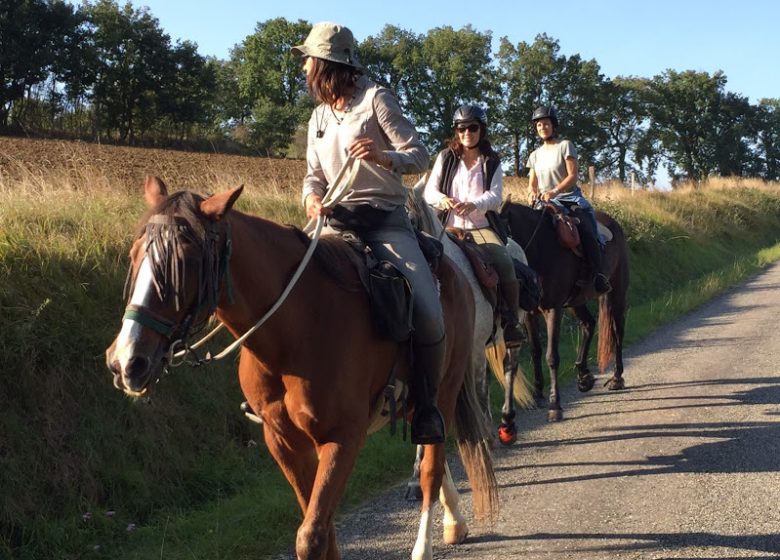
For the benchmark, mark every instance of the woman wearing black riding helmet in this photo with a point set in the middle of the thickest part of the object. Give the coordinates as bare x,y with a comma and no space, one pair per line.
553,177
466,185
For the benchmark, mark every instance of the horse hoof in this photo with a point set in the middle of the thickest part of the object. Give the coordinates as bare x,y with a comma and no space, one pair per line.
455,534
615,384
554,415
585,384
413,491
507,435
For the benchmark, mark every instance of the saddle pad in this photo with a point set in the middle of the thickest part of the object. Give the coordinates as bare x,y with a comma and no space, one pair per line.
605,232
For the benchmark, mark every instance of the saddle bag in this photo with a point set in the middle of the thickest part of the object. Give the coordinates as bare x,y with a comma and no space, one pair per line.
483,270
530,288
566,226
391,301
389,292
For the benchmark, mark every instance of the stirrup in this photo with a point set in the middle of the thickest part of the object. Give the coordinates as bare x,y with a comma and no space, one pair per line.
427,426
514,335
250,414
601,283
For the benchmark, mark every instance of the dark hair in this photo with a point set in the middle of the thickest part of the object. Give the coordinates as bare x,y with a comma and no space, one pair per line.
330,80
484,146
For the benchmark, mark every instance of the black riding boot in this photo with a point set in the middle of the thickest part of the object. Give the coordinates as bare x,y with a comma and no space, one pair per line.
427,421
592,249
514,333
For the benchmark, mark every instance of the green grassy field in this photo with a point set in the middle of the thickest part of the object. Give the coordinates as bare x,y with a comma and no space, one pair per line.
88,473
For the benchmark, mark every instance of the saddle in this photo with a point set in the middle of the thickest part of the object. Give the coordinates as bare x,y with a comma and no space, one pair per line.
565,225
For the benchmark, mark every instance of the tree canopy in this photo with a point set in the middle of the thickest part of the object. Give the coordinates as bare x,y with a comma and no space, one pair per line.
108,72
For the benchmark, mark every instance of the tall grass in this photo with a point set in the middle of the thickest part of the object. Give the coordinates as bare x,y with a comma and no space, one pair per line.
87,473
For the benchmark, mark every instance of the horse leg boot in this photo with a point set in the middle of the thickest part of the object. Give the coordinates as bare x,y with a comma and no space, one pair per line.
427,421
510,294
592,249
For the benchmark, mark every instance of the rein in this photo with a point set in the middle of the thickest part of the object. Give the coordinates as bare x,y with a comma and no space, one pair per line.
342,185
536,229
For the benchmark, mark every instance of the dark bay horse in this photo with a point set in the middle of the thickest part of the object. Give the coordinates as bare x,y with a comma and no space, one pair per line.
560,273
316,371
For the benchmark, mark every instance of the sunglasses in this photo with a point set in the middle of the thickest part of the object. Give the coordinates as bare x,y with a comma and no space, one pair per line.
471,128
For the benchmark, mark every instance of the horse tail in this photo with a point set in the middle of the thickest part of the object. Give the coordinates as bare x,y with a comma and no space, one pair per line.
606,332
521,387
474,447
612,305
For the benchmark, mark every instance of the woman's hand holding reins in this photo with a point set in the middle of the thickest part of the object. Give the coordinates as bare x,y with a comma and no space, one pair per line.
464,208
314,207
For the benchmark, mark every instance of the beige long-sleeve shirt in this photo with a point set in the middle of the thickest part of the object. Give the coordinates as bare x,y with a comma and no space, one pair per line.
373,112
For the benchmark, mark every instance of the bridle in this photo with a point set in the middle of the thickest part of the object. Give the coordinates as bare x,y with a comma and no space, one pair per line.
162,247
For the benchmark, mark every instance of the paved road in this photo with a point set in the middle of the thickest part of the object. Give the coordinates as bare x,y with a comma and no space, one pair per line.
683,464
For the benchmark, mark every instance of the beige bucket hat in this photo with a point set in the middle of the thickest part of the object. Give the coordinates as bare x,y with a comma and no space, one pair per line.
330,41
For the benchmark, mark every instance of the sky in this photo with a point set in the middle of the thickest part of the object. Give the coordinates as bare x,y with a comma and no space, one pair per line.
625,37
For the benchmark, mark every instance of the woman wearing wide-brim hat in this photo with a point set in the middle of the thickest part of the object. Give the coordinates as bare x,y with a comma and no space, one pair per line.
357,118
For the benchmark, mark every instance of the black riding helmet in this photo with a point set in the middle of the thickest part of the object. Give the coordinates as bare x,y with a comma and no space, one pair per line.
469,113
545,113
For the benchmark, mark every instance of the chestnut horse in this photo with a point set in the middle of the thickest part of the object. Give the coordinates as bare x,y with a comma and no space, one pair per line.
561,273
316,371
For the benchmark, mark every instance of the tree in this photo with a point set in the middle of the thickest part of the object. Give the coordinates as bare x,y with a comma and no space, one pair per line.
133,61
525,72
768,138
432,74
623,123
687,119
33,38
271,82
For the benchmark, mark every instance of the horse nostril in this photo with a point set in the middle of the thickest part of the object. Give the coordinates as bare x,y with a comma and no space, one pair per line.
136,366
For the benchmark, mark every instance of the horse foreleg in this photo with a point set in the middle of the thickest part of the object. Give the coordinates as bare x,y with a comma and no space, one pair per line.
455,527
553,320
507,432
431,473
535,347
316,535
585,379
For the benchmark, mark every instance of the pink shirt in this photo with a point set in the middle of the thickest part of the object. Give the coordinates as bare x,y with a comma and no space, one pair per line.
467,186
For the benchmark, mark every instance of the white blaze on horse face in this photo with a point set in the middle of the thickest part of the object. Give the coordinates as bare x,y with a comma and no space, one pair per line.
131,330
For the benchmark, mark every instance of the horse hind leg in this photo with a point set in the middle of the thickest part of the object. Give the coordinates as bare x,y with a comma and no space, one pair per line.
535,347
413,491
507,430
455,526
585,379
431,474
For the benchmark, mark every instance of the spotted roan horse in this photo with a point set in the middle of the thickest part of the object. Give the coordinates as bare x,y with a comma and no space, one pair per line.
562,275
316,371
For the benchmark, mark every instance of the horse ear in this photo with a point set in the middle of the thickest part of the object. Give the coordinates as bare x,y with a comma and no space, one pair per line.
505,204
154,191
215,207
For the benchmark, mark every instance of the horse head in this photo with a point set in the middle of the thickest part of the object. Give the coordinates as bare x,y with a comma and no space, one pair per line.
177,266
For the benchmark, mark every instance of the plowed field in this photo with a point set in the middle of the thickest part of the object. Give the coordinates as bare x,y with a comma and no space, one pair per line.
23,161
